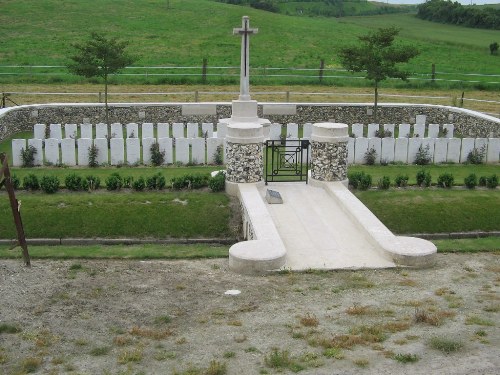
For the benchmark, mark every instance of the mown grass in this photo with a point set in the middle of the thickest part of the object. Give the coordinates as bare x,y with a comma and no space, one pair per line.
435,210
139,215
186,31
146,251
469,245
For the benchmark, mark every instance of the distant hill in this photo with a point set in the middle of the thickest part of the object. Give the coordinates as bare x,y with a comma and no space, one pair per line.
323,8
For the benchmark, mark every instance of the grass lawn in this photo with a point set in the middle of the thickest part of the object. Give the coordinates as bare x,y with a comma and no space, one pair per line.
147,251
127,215
470,245
434,210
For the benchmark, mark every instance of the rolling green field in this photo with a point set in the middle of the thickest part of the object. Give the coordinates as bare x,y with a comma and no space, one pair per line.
185,32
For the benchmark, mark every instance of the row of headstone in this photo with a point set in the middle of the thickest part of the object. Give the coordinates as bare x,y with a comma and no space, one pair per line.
440,150
419,130
131,130
71,152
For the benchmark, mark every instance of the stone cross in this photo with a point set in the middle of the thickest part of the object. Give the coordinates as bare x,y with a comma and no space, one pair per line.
245,31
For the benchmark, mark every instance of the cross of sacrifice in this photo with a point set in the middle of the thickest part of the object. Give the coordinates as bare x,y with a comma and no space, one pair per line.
245,31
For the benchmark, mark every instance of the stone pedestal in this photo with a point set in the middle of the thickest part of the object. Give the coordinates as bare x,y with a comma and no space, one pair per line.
329,151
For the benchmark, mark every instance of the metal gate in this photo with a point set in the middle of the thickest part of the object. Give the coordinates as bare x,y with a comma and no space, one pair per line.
287,160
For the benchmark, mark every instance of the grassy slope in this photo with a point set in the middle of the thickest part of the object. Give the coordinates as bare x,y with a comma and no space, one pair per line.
40,32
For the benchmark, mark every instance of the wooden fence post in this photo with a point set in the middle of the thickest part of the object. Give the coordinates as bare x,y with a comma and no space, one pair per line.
15,206
204,71
321,70
433,76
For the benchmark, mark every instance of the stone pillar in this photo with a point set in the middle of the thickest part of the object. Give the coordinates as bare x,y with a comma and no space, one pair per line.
329,152
244,155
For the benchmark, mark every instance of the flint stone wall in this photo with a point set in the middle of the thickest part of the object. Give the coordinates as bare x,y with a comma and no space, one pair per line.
244,162
468,123
329,161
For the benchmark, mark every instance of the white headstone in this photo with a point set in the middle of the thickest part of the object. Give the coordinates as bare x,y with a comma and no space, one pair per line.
350,150
86,131
163,130
192,130
38,145
133,151
404,130
420,120
418,130
70,131
68,151
102,151
146,150
467,147
52,151
387,154
372,129
389,128
198,151
55,131
18,145
207,129
450,128
376,144
433,131
481,145
454,146
178,130
116,131
132,130
275,132
148,130
292,130
221,130
182,150
401,150
212,144
440,150
39,131
413,145
429,142
101,130
166,146
308,126
360,149
357,130
493,154
117,151
83,150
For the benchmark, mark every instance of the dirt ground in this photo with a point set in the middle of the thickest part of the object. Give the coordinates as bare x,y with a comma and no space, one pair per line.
173,317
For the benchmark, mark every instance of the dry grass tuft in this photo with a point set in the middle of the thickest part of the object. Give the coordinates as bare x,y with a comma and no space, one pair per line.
122,340
156,334
435,318
309,320
359,310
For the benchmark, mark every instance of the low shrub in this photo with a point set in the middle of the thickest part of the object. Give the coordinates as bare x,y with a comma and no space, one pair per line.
156,182
370,156
30,182
219,155
384,183
92,182
190,181
16,182
445,180
476,156
139,184
483,180
157,156
383,133
114,182
470,181
424,178
73,182
360,180
218,182
28,156
401,180
49,184
127,182
492,181
93,153
423,156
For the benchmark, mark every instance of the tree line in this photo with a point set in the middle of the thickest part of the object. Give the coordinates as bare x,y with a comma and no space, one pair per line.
457,14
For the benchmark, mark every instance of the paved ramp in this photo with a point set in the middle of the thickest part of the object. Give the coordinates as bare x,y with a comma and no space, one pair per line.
317,233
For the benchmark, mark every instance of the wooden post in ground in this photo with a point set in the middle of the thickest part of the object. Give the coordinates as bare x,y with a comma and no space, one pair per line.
15,206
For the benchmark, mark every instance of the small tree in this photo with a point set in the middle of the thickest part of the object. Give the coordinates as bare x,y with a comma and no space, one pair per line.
100,57
494,48
377,56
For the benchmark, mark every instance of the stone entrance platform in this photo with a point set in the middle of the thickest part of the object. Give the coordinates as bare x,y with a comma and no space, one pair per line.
319,226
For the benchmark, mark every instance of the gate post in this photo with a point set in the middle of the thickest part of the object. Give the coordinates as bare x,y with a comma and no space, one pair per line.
329,152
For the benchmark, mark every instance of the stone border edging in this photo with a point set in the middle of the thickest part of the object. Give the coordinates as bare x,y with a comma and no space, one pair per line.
119,241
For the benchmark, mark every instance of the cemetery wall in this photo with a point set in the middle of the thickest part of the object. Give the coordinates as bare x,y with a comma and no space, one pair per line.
467,123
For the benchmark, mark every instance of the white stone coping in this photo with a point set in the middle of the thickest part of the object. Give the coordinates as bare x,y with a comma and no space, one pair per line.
330,132
266,252
405,251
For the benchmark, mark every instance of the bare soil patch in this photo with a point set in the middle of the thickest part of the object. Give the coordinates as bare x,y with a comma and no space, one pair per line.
152,317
